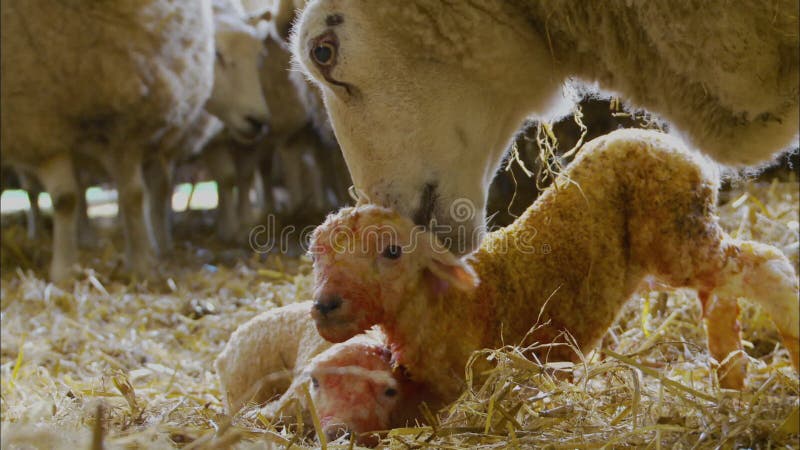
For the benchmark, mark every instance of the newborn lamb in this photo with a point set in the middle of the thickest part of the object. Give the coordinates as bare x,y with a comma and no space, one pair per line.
633,204
354,389
265,354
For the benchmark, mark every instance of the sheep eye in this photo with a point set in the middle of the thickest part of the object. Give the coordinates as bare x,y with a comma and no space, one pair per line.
391,392
392,252
324,53
314,382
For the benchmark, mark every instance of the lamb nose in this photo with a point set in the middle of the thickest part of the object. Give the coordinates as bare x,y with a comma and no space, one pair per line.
328,303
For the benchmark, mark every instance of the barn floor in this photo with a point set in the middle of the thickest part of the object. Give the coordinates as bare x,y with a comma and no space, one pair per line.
104,362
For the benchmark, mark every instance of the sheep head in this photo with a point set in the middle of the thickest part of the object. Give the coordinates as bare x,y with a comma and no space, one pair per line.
355,390
369,263
237,98
422,119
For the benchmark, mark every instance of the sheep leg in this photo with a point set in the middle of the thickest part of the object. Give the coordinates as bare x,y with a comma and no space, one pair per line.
315,187
221,165
292,162
58,178
127,174
721,316
262,202
265,171
244,183
34,215
86,236
305,144
158,199
336,178
767,278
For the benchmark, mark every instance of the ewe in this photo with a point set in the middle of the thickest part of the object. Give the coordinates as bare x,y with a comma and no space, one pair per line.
355,389
236,99
633,204
127,94
426,95
131,85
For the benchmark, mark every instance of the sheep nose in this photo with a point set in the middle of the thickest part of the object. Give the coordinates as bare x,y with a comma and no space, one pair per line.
328,303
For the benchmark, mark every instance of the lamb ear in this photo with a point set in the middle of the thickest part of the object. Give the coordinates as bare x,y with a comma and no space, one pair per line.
448,270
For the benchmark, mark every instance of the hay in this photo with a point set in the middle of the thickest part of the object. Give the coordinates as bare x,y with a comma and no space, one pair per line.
104,363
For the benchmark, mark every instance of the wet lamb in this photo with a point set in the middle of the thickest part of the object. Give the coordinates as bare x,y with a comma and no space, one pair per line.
633,204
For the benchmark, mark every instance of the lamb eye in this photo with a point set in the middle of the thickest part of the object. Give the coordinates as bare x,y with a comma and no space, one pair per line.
314,382
324,53
221,59
392,252
391,392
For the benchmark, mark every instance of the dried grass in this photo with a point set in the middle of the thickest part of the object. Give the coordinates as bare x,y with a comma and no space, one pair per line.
102,363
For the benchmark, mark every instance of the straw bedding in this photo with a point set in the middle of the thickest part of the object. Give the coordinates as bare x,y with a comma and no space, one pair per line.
104,362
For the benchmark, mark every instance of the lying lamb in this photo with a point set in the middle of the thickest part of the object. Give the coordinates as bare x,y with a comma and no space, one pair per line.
264,355
634,203
353,387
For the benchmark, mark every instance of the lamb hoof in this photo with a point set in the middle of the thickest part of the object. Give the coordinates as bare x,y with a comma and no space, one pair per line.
732,373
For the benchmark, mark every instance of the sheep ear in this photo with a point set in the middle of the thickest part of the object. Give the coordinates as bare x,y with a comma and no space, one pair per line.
446,270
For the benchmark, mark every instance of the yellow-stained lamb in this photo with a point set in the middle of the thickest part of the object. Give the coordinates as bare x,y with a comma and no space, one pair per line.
633,204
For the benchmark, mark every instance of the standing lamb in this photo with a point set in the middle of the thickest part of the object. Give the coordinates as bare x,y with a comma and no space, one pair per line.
425,96
132,85
633,204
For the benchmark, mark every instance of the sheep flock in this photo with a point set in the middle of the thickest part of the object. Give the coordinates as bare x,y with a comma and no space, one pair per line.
418,224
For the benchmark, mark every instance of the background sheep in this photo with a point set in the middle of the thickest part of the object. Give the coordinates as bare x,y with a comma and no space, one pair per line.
634,203
131,86
159,169
300,140
303,127
237,98
419,133
238,49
